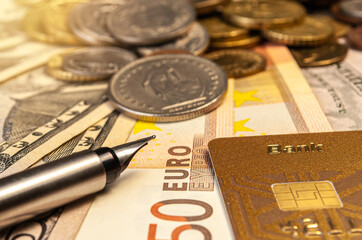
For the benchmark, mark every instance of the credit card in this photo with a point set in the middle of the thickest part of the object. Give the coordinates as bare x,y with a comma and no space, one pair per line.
297,186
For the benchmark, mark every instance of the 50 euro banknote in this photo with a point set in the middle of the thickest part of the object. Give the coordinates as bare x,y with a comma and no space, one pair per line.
170,190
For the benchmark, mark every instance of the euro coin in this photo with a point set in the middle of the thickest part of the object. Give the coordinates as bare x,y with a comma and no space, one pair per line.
243,42
339,14
263,13
196,41
238,63
98,62
170,87
206,6
310,32
170,19
220,30
320,56
340,29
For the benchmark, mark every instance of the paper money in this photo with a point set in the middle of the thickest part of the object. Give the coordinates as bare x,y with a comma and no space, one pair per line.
31,129
171,189
108,132
339,91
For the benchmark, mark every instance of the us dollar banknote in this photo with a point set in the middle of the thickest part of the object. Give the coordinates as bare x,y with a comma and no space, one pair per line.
110,131
338,88
43,114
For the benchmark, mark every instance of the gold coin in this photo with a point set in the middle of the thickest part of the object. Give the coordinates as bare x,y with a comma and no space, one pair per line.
243,42
56,21
206,6
54,69
238,63
320,56
263,13
218,29
310,32
340,29
33,24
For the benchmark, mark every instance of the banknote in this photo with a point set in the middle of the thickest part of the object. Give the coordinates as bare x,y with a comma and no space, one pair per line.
30,129
110,131
339,91
170,188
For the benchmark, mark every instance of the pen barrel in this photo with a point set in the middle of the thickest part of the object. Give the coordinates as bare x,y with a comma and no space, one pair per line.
37,190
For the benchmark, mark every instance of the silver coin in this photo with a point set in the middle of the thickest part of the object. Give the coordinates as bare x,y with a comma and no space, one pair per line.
195,41
144,22
92,20
97,61
170,87
352,8
75,28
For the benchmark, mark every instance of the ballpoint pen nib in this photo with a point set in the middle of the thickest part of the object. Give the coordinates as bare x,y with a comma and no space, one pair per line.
125,152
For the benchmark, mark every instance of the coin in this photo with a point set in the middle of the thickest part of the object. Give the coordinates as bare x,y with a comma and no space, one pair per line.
320,56
55,21
352,8
144,22
219,29
92,20
206,6
99,62
168,51
310,32
354,38
33,24
243,42
196,41
340,29
263,13
167,88
54,69
238,63
336,10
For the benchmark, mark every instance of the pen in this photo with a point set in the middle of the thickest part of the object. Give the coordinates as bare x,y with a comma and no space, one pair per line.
29,193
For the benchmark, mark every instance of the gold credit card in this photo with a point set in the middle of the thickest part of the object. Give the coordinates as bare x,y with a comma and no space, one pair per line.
297,186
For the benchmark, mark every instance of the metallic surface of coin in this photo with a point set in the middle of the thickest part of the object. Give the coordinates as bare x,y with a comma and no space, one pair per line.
354,38
206,6
196,41
320,56
168,88
92,20
238,63
263,13
54,69
340,29
144,22
351,8
244,42
219,29
101,62
335,9
56,20
310,32
33,24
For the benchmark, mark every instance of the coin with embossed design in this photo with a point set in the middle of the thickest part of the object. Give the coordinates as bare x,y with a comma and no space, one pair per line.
91,18
263,13
196,41
320,56
238,63
167,88
310,32
219,29
145,22
99,62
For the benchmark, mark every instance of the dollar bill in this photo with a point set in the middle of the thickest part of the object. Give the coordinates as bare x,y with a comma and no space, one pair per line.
64,222
40,117
170,189
338,88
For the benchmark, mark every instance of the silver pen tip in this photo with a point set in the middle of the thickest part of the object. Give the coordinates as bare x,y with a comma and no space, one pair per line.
125,152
